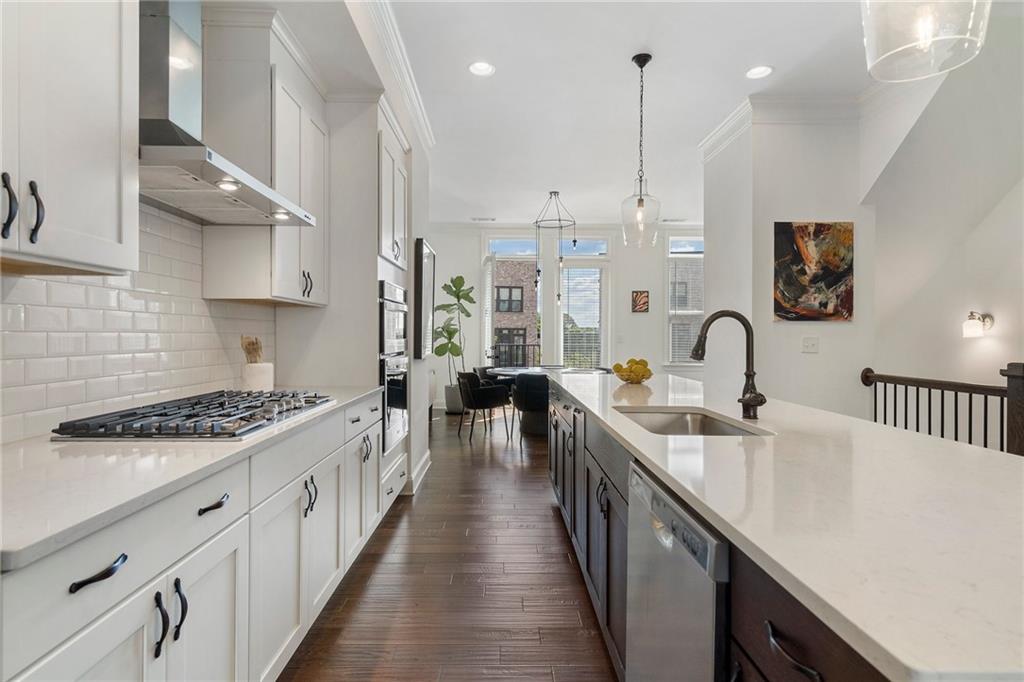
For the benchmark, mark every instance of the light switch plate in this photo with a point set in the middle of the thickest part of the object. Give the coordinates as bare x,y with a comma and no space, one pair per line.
809,344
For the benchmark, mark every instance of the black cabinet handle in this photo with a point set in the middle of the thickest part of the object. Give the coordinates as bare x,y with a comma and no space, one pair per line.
33,189
369,448
184,608
355,420
102,575
396,248
391,491
401,475
309,504
597,494
216,505
737,672
310,292
375,408
773,644
12,205
316,493
165,623
577,410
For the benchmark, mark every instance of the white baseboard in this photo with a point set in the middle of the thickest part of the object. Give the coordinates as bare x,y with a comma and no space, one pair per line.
421,472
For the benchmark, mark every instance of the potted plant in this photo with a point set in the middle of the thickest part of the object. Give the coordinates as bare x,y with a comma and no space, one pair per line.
449,338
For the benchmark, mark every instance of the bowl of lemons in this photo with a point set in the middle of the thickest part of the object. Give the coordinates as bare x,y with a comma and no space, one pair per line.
634,371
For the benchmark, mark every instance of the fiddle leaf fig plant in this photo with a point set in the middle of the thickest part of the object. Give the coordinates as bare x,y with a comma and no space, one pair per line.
450,332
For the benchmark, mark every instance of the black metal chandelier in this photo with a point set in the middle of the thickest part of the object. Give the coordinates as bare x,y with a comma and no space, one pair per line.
554,216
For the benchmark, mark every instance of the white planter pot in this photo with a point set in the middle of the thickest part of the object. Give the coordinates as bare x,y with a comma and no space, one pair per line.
453,400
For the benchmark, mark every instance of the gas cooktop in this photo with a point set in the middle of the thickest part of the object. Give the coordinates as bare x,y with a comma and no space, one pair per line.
221,415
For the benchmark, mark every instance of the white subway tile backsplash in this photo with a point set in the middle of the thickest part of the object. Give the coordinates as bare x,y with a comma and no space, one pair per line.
65,393
45,319
73,346
65,343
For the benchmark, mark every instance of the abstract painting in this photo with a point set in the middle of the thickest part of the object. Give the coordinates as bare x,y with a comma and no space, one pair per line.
814,271
641,301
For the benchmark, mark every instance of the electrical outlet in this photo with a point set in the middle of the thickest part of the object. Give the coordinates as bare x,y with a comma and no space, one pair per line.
809,344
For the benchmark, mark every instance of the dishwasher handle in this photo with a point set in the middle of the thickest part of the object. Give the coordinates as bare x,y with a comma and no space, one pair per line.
668,518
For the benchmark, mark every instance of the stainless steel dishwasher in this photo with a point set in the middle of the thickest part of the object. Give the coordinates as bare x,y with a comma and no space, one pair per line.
677,575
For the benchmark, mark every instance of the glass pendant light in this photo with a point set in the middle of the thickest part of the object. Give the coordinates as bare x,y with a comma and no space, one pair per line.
554,216
907,40
640,210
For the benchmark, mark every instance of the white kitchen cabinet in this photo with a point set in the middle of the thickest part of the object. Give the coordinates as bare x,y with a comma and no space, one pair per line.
392,196
315,247
326,563
361,498
278,602
119,646
209,640
69,141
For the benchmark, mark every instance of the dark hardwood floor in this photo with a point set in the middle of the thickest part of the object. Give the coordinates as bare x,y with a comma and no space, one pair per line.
474,578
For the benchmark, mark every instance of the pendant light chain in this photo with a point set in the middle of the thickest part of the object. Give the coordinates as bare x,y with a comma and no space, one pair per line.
640,173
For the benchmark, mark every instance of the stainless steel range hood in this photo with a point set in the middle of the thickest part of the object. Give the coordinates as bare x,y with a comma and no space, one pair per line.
177,172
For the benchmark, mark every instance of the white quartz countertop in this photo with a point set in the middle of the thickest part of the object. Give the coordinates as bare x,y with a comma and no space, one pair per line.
908,546
57,492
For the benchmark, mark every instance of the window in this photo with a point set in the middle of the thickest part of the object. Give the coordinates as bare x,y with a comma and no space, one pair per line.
581,316
508,336
508,300
685,295
511,248
585,247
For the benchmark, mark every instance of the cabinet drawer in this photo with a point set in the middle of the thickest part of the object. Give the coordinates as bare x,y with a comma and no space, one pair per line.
612,457
392,485
40,612
800,639
360,416
283,462
388,458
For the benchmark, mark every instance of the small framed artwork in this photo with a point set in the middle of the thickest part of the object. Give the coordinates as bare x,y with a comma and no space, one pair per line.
423,333
640,302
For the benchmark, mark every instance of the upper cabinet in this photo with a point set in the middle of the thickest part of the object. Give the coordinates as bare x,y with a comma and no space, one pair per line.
69,136
393,189
278,133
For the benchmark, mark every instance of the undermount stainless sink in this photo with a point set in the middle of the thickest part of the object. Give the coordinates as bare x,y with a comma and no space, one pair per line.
688,421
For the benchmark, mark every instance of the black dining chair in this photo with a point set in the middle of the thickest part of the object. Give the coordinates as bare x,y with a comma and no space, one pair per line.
530,394
479,396
487,378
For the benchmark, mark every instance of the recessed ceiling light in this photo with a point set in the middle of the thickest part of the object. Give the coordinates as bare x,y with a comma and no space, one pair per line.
228,185
759,72
481,69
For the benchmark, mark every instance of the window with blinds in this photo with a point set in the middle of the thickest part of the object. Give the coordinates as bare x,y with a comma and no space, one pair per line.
685,295
581,316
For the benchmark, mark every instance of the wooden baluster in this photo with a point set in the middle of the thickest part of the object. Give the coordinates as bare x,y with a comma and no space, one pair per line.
984,419
942,413
906,394
929,411
917,409
1014,374
970,419
956,416
885,404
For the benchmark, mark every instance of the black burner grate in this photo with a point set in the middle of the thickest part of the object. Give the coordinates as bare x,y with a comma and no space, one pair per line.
220,414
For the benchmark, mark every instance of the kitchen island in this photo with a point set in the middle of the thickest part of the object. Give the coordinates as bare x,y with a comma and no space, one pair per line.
907,547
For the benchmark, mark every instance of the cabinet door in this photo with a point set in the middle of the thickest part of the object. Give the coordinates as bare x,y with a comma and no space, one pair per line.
352,498
596,534
616,530
552,443
386,198
568,478
314,241
277,579
78,124
579,527
286,279
373,509
400,188
326,562
119,646
556,456
210,637
9,70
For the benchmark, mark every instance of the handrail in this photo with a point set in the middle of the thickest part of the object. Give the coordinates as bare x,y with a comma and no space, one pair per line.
869,377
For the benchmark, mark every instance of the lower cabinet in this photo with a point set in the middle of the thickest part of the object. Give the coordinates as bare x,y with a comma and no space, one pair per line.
325,529
279,586
361,497
190,623
567,469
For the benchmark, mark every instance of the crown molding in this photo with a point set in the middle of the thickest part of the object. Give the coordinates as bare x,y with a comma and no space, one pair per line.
798,109
228,15
392,121
292,45
398,59
369,95
734,125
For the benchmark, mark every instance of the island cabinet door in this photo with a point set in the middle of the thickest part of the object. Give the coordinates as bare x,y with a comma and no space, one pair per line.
326,547
278,582
616,512
579,502
597,541
209,610
568,477
119,646
555,455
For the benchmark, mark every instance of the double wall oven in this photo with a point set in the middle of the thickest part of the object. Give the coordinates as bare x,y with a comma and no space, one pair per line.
394,361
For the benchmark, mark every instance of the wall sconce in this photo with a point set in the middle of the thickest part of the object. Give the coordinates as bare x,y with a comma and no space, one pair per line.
976,324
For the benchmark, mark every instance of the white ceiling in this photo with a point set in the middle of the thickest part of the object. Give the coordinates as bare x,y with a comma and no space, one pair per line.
561,112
